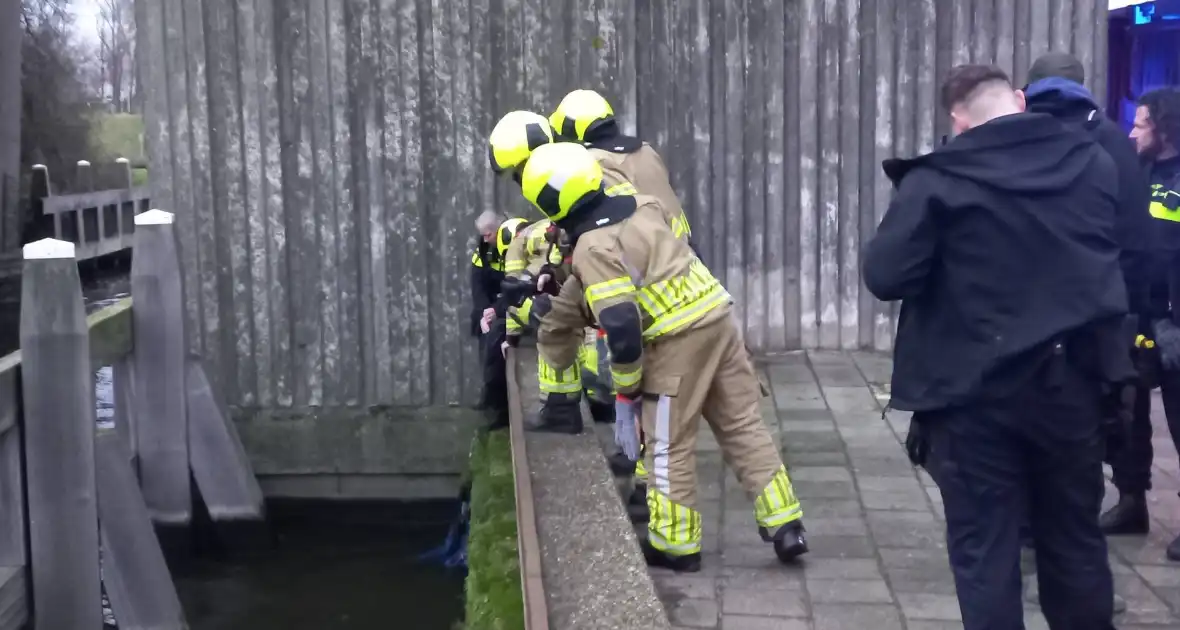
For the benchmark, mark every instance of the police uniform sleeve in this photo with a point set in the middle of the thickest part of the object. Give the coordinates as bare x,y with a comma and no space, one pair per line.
610,297
899,258
479,296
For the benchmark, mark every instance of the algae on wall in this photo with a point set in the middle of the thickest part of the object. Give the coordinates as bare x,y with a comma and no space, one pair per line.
494,600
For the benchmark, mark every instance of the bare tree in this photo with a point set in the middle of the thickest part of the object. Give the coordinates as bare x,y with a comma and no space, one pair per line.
116,34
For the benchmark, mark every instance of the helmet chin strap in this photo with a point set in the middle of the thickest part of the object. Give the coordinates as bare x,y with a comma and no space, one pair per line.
597,211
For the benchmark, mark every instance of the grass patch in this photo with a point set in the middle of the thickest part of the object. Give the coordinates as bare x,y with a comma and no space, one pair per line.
494,600
119,135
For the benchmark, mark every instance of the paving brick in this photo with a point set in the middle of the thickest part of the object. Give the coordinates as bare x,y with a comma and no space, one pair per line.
754,556
839,375
842,399
914,501
919,530
692,613
821,473
915,559
777,578
1159,576
791,427
827,508
839,546
677,586
816,458
757,602
855,617
838,526
841,568
849,591
790,415
745,622
825,490
813,441
934,625
894,465
790,374
928,606
796,396
907,482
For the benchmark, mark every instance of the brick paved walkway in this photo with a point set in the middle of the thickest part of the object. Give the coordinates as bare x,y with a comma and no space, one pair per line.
878,551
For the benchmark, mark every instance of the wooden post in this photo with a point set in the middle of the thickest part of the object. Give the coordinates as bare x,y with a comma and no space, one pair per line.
125,164
161,420
123,372
13,604
84,177
59,421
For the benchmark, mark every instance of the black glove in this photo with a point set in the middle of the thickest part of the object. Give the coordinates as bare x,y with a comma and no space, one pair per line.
1167,340
917,445
514,291
552,286
541,306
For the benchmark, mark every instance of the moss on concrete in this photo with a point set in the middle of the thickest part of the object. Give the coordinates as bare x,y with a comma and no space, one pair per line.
494,600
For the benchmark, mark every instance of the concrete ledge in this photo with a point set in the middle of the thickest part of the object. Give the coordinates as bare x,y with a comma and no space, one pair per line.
592,570
380,453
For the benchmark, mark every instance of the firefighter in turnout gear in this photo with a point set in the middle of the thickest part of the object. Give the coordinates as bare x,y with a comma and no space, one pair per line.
674,355
630,166
536,253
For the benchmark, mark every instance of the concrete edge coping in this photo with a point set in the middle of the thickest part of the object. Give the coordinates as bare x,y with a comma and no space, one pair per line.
536,610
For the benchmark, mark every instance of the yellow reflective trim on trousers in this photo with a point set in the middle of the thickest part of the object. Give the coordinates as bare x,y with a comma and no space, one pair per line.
608,289
640,469
622,189
777,504
680,226
588,357
626,380
553,381
674,529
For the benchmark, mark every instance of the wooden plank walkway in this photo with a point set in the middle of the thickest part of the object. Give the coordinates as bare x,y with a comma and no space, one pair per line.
878,553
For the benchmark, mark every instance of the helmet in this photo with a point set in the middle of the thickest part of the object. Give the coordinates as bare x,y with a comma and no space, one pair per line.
514,138
559,177
580,113
506,232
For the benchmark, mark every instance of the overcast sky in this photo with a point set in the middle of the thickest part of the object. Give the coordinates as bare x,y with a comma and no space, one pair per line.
85,19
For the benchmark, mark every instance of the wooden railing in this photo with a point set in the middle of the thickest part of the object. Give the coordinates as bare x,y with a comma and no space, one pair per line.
98,223
61,477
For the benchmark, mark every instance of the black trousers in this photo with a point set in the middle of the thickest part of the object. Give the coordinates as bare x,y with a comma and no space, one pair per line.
1132,468
495,374
1033,458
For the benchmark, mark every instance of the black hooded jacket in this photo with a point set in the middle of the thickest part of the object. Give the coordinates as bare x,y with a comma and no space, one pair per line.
1072,103
997,243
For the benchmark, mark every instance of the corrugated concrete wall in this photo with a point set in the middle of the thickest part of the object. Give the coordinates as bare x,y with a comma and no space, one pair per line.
327,158
10,103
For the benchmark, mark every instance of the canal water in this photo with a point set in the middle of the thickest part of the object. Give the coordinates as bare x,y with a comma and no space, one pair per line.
325,565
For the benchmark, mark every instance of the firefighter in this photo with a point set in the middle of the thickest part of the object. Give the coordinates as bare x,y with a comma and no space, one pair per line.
537,255
674,353
487,273
629,165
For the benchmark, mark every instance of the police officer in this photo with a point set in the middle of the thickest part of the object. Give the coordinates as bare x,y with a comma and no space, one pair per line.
1156,134
674,352
1001,246
487,273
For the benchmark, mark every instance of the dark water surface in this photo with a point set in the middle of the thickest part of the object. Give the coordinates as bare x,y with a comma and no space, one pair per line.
321,565
335,566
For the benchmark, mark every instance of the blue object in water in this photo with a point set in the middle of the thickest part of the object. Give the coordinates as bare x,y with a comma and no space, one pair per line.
453,552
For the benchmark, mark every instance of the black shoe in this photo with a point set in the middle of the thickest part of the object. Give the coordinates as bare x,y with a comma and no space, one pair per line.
620,465
789,541
638,495
560,413
1128,516
690,563
1174,550
638,513
602,413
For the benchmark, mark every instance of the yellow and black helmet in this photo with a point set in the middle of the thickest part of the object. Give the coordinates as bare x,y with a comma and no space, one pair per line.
580,114
560,176
506,232
514,138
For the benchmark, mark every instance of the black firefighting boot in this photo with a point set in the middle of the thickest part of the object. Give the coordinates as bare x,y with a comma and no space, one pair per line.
789,541
690,563
560,413
1128,516
638,494
602,413
620,464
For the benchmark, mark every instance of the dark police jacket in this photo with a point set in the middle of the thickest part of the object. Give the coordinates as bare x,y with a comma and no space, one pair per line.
1073,104
997,243
487,272
1164,274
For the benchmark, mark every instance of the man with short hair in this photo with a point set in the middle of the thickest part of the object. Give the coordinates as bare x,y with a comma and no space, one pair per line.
1001,246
